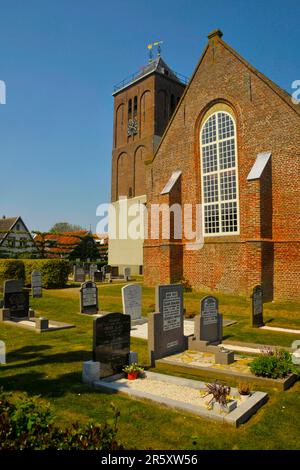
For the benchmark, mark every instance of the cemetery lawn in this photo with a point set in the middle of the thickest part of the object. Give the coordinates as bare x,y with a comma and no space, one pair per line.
50,364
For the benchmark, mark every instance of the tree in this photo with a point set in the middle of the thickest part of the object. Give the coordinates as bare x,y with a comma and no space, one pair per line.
86,248
43,244
61,227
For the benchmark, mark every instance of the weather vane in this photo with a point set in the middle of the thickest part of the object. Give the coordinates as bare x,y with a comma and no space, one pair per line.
150,49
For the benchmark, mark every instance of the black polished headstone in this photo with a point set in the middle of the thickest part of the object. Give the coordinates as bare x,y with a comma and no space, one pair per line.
16,299
111,345
209,325
97,276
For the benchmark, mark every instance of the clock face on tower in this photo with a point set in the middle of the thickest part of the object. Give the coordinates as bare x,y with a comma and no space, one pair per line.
132,127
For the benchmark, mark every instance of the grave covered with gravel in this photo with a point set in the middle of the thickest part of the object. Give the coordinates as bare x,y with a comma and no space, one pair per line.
185,395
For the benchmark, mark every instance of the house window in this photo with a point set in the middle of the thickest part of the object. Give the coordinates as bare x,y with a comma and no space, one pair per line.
23,242
11,242
219,175
18,227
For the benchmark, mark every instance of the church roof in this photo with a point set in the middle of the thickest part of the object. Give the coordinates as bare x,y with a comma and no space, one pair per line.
284,95
157,65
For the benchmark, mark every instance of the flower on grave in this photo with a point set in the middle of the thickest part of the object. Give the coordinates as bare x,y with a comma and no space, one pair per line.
219,393
268,351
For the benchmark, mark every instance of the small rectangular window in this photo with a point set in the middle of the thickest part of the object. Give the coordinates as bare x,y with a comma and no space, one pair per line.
135,104
129,108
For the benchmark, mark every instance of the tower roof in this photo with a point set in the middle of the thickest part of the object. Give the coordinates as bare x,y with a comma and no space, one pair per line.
157,65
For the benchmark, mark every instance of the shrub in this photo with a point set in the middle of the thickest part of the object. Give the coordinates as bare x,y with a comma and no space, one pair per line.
275,364
29,424
54,272
11,269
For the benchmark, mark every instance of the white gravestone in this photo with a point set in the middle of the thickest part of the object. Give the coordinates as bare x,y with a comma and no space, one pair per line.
90,371
132,301
93,269
36,283
2,353
127,273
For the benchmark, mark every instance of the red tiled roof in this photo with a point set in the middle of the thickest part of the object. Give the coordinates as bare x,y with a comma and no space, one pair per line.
66,241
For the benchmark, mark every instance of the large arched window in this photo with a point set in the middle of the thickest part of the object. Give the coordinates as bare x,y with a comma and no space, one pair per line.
219,175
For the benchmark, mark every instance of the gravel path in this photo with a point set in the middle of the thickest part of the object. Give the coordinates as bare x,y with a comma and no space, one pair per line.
167,390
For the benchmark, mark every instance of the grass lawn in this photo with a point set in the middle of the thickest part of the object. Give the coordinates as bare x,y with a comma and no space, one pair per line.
50,365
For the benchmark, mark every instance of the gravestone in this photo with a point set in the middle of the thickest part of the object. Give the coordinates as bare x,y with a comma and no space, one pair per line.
2,353
36,284
209,325
132,301
98,276
89,298
16,299
111,344
86,267
114,271
165,326
93,268
127,273
90,371
79,274
257,307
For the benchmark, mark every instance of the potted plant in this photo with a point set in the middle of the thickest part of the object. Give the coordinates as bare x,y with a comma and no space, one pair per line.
220,397
133,371
244,389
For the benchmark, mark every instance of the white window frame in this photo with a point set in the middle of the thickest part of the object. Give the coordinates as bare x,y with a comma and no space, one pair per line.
220,233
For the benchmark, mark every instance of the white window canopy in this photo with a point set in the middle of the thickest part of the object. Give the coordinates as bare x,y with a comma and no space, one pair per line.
170,184
259,165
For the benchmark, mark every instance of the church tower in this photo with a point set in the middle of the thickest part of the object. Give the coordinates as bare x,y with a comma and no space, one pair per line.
143,106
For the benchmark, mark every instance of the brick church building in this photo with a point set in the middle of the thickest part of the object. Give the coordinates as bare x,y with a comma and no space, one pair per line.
230,143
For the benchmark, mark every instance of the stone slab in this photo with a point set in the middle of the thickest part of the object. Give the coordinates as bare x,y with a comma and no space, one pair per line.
141,330
236,417
31,325
217,373
280,330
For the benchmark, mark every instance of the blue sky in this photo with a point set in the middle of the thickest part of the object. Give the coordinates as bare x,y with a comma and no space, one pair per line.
60,60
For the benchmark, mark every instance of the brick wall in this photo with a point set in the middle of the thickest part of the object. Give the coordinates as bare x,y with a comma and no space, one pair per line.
267,248
153,114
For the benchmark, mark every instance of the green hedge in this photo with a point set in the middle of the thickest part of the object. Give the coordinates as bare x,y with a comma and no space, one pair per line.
54,271
11,269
